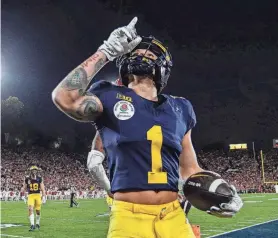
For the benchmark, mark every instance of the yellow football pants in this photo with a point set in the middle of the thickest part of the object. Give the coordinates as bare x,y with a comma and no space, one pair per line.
109,201
35,200
129,220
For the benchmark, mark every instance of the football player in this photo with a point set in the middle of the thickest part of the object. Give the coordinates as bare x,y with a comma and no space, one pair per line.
34,185
72,194
146,134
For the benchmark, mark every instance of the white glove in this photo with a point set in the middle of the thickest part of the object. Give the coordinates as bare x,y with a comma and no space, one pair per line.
121,41
43,199
24,199
227,210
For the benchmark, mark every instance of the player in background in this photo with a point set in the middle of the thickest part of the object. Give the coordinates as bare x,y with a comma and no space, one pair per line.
33,184
146,134
72,194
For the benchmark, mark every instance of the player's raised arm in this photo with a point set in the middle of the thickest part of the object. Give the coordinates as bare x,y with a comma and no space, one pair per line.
70,95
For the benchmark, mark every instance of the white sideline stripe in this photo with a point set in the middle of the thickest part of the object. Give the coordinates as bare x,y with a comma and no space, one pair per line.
245,222
253,196
243,228
69,219
16,236
214,185
249,201
83,200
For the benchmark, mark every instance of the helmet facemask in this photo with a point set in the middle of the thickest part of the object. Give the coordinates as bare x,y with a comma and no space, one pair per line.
140,65
34,170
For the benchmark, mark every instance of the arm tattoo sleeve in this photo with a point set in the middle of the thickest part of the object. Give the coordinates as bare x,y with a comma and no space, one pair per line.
78,79
99,64
88,108
82,105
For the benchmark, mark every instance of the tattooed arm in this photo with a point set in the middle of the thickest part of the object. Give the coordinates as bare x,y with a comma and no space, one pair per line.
70,96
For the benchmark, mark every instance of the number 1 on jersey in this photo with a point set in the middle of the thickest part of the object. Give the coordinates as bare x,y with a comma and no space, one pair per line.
156,175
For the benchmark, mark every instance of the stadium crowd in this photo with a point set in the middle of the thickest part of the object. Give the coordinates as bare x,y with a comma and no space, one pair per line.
61,170
242,169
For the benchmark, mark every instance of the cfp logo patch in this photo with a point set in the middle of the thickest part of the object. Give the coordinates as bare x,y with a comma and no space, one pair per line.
123,97
124,110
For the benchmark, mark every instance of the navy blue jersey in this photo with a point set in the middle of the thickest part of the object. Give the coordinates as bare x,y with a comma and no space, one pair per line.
33,184
142,138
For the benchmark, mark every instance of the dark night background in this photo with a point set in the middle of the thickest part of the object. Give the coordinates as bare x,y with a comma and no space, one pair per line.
225,57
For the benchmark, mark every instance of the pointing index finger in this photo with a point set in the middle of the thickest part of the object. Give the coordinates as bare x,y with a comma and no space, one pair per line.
133,22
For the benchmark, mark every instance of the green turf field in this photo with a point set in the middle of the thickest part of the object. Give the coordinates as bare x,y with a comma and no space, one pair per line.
58,220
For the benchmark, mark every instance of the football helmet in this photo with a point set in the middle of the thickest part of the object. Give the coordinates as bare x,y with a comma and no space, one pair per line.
158,69
33,168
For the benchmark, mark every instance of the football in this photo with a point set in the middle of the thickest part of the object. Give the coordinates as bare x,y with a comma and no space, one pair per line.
206,189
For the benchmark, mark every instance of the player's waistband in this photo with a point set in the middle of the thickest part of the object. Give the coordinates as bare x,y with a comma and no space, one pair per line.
146,209
34,194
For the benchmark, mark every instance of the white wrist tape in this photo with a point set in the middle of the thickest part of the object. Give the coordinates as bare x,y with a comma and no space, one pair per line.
94,164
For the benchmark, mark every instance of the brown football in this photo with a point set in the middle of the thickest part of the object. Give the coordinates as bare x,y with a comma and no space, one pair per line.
206,189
